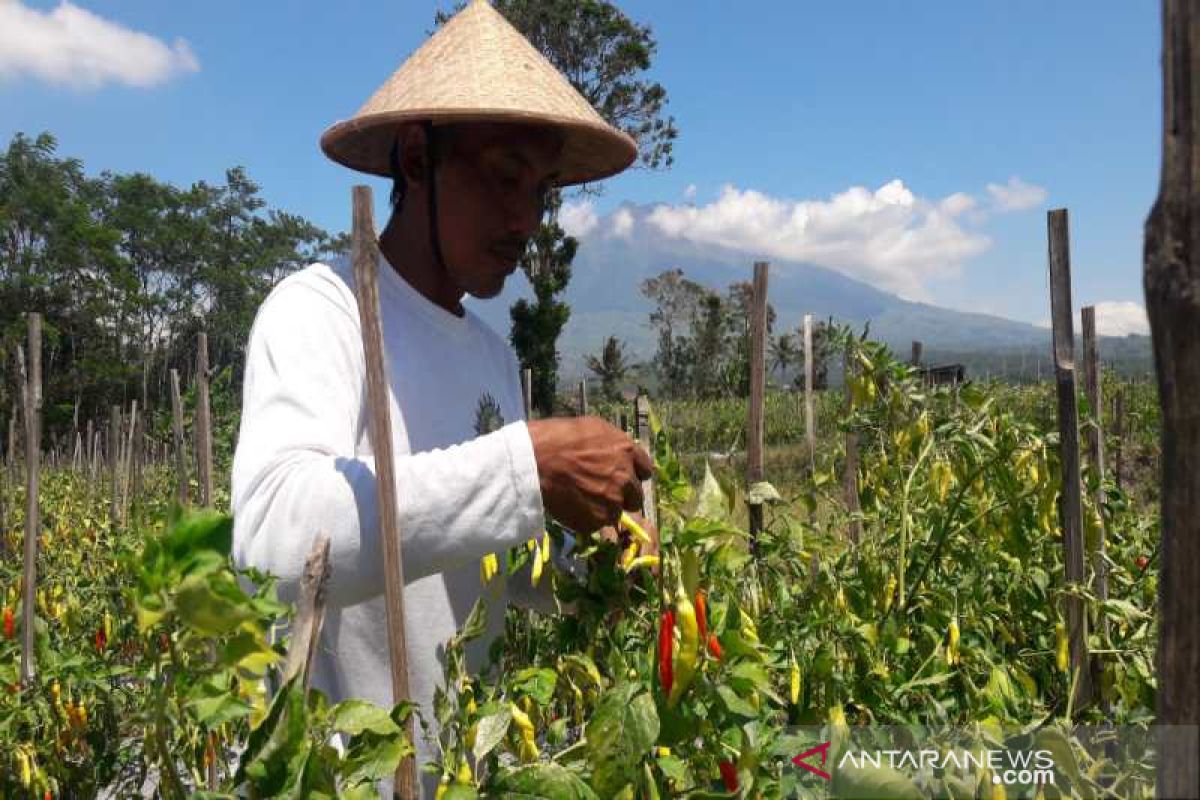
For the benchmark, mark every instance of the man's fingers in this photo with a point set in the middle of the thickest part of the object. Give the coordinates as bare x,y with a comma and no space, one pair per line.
642,465
632,496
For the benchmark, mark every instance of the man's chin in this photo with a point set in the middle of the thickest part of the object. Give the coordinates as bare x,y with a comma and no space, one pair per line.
487,291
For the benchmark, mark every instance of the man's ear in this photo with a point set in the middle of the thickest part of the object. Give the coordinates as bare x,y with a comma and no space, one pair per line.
412,155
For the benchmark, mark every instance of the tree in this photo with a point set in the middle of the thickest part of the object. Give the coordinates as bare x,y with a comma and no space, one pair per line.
605,56
783,353
610,367
679,302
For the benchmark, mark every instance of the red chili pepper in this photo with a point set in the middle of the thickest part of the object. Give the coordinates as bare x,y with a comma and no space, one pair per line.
714,646
10,625
101,640
729,775
1142,562
701,614
666,667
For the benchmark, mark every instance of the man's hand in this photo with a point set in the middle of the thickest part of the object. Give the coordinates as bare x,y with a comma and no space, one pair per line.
589,471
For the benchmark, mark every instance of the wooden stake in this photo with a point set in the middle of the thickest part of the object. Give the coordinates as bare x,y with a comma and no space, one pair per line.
114,465
527,391
810,423
1172,281
642,423
1095,440
33,519
850,475
310,611
127,465
181,473
758,374
1119,436
917,347
583,400
366,263
1068,427
204,456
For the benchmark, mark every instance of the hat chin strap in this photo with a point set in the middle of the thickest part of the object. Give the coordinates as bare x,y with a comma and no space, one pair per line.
434,235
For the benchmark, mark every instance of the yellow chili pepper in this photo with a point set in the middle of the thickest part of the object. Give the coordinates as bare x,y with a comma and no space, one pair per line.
529,748
638,532
1062,653
489,565
952,654
684,668
794,682
648,562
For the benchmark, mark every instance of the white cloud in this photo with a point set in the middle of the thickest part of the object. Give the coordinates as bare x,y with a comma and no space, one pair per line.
578,218
1121,319
888,237
1016,195
72,46
622,223
1113,318
689,194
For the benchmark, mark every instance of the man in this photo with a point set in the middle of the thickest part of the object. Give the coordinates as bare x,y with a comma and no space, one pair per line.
473,129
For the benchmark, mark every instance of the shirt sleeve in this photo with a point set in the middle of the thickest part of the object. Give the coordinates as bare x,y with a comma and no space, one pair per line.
296,473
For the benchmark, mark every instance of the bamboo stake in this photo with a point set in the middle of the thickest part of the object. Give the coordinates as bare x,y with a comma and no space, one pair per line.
1068,427
127,465
204,455
310,611
810,423
583,399
758,373
181,474
644,435
33,520
366,263
527,391
850,476
114,457
1095,443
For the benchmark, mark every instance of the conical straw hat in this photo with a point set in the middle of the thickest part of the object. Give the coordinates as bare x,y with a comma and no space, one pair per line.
479,68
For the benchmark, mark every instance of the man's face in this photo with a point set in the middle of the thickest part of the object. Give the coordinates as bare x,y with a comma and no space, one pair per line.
491,187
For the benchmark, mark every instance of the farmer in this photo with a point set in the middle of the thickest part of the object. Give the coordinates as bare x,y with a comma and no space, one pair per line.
473,129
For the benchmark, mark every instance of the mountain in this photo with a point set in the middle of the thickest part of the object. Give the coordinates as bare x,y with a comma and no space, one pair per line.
605,299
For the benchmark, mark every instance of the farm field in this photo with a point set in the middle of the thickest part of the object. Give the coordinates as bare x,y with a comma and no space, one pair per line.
938,603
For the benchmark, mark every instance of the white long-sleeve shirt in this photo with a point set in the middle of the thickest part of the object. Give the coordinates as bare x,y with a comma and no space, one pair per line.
465,474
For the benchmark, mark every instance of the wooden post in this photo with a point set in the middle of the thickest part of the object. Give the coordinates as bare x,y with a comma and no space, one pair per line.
527,391
1068,428
758,374
33,519
1171,278
850,476
114,465
366,261
642,424
583,403
181,473
1095,439
917,347
310,611
203,427
130,457
1119,436
810,422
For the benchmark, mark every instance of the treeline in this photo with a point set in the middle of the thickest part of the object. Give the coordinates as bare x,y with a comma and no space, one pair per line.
127,270
704,340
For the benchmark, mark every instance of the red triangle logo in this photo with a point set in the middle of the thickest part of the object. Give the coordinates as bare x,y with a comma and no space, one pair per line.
802,762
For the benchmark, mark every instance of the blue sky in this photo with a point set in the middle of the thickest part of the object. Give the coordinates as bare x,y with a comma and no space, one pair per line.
783,109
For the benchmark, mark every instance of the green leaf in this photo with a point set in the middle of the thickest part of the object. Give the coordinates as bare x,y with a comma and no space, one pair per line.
491,731
457,791
373,757
476,622
620,733
277,749
543,782
355,716
219,709
212,605
735,704
536,682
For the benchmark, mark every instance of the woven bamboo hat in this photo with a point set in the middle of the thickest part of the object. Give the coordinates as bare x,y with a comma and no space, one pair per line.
479,68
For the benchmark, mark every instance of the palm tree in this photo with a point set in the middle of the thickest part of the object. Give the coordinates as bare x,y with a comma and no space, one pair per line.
610,367
783,353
